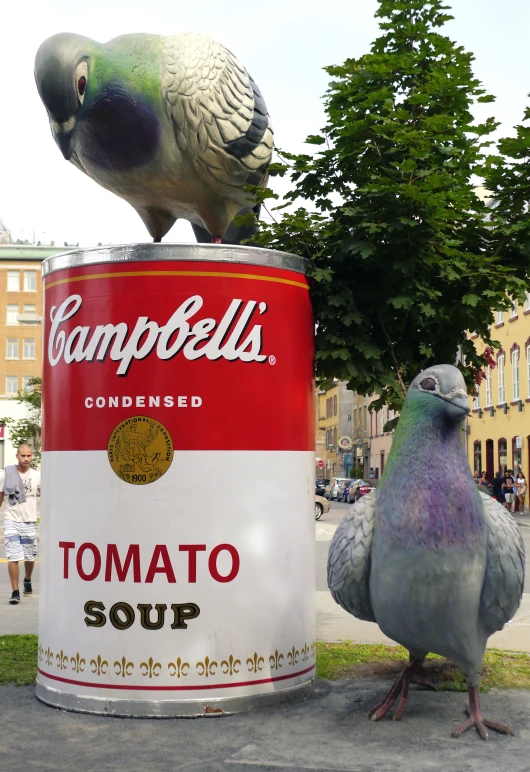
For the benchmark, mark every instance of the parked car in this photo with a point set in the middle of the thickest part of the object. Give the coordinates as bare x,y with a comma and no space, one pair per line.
332,490
358,489
320,485
344,492
321,506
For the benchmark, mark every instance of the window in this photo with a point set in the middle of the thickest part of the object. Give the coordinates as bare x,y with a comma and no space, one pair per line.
513,309
29,348
516,454
26,385
12,348
30,308
500,369
503,455
30,281
476,401
527,304
499,317
334,405
11,384
12,313
488,384
477,454
13,281
528,372
515,375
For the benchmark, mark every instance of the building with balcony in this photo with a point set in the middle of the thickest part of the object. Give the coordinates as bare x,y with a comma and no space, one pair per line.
498,429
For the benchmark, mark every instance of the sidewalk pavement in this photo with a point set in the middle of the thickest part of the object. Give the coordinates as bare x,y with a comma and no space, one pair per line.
332,622
323,730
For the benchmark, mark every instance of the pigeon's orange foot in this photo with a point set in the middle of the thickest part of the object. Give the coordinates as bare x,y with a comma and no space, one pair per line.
401,685
216,240
476,719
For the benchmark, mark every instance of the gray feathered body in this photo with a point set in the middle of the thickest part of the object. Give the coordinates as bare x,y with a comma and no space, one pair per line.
438,565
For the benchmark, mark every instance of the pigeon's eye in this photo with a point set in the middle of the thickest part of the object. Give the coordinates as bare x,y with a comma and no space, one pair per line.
81,75
428,384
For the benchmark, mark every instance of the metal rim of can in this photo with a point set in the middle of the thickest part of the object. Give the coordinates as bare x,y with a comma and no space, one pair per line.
215,253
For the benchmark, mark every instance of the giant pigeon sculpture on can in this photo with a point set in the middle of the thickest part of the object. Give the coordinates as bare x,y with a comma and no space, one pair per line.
174,125
437,564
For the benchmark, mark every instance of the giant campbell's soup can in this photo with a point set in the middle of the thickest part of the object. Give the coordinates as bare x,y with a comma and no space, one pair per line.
177,535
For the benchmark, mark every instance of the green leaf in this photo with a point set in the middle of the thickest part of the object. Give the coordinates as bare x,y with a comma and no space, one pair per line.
314,139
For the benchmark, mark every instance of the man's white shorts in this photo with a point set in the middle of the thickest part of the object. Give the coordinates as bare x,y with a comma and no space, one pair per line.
20,540
509,497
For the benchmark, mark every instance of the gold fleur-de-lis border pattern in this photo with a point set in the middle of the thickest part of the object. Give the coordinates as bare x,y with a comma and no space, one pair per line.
237,668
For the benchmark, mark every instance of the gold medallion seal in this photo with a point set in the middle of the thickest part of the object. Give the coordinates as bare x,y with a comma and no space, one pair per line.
140,450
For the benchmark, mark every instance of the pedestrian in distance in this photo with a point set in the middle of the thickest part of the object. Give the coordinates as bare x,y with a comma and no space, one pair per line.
476,476
20,483
496,484
520,490
509,490
483,479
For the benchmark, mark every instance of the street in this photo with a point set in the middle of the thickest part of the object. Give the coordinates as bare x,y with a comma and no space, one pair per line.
335,624
332,622
335,516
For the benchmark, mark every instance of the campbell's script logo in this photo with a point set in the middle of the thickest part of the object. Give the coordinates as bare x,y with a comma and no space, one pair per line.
228,339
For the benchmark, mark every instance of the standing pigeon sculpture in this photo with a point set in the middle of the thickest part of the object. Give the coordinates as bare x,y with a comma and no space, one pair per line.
437,564
174,125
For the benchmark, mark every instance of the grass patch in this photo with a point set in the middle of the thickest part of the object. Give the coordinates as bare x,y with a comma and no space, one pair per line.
502,669
18,659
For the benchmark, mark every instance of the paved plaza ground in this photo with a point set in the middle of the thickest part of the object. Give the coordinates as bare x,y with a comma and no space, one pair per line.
325,731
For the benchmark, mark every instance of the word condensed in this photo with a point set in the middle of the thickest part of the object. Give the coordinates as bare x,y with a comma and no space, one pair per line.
151,400
119,566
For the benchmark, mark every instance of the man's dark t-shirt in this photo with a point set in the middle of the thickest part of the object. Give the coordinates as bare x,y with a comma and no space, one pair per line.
497,488
509,483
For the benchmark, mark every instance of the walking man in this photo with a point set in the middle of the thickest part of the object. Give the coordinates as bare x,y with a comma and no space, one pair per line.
20,483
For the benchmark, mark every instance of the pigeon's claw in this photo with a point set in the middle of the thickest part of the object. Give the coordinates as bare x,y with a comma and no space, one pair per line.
401,685
476,720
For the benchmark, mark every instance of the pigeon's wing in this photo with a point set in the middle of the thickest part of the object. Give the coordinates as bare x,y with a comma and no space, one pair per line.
349,559
219,116
504,578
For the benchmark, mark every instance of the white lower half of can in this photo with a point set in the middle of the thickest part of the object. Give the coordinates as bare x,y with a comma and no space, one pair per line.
230,554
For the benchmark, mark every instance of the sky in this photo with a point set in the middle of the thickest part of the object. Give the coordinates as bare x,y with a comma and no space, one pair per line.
284,44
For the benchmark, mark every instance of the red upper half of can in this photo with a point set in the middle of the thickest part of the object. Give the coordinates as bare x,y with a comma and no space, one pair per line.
220,353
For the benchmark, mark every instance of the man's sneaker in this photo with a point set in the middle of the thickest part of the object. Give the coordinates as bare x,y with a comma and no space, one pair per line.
27,587
15,597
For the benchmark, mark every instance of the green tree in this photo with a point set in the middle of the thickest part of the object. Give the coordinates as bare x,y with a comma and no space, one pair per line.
402,251
28,429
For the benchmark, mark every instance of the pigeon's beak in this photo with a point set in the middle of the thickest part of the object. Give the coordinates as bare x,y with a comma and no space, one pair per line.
64,140
461,402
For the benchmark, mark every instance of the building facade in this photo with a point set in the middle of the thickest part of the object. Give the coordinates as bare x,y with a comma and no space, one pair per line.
349,435
498,429
335,416
20,328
